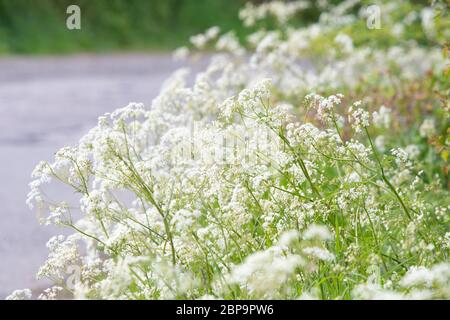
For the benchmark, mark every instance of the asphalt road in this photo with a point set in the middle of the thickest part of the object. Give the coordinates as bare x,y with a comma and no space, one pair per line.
47,103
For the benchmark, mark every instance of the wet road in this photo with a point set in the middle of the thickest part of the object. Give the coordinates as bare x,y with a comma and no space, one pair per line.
47,103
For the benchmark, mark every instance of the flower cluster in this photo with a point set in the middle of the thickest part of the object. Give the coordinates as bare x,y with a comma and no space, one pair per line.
247,185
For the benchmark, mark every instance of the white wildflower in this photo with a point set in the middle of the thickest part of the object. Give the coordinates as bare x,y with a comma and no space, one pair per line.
319,253
24,294
317,232
181,53
358,117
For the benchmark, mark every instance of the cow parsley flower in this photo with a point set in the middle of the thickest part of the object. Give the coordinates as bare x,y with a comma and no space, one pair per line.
401,156
324,106
180,54
24,294
317,232
438,274
264,273
358,117
319,253
50,293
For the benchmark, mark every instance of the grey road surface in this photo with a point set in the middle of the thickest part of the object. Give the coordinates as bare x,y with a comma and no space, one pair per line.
47,103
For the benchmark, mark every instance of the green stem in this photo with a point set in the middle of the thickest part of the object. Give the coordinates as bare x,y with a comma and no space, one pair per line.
385,179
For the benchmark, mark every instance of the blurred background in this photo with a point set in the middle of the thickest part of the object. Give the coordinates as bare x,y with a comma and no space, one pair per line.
30,26
55,82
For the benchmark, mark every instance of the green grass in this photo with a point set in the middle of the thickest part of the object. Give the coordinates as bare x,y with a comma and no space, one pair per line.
28,26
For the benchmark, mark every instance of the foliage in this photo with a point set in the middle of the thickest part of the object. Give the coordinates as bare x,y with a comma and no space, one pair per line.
28,26
329,180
